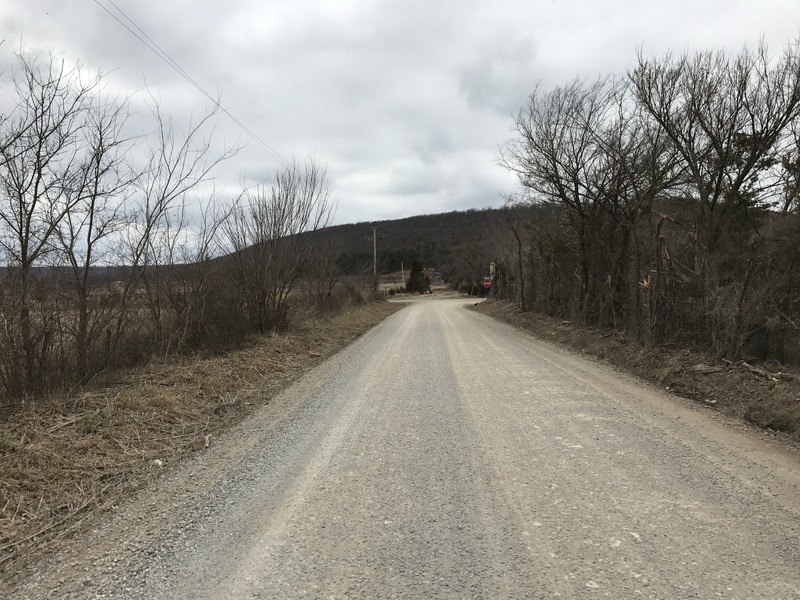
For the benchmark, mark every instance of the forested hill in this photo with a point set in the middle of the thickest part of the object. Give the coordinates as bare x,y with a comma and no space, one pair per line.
459,244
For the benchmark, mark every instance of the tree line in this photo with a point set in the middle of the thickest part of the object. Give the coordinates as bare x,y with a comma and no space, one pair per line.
114,246
665,203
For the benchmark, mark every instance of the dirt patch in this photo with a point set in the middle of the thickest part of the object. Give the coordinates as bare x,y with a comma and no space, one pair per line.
764,395
66,461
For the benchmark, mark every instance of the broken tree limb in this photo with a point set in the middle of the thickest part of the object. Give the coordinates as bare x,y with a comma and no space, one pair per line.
706,369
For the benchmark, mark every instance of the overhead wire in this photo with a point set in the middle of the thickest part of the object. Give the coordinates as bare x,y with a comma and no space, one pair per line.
154,47
173,64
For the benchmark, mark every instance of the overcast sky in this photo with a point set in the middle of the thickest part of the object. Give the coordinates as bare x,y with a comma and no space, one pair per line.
405,100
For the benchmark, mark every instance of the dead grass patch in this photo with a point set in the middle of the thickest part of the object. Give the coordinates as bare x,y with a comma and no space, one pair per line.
65,460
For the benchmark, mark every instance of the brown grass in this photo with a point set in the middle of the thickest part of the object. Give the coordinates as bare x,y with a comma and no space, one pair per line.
764,395
65,460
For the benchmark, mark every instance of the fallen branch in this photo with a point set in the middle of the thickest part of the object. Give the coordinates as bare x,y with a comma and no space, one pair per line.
743,366
705,369
787,376
755,370
766,374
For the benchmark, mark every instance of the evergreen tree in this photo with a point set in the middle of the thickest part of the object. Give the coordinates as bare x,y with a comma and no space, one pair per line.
417,280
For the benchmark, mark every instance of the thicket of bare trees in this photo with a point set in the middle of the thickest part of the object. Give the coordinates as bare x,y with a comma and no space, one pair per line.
264,233
112,247
664,203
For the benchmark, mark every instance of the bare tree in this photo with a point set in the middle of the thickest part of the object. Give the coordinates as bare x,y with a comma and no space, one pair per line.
728,118
175,165
636,166
664,189
96,194
188,274
271,232
790,171
513,220
321,274
39,155
558,159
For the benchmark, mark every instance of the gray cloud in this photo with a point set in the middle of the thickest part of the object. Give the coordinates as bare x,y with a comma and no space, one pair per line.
501,74
405,100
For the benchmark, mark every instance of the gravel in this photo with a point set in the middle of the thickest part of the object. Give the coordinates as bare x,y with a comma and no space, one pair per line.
447,455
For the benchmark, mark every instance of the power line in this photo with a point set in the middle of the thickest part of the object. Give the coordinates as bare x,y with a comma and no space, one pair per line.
164,56
154,47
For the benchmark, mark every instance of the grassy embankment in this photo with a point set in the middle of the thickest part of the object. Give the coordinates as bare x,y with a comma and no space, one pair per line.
65,461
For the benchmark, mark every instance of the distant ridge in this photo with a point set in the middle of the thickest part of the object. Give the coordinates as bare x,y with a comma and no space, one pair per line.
457,243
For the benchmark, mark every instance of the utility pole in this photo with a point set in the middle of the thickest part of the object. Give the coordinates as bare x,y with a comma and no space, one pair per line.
375,256
402,273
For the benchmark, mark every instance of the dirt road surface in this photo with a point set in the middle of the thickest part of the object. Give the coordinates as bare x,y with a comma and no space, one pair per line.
446,455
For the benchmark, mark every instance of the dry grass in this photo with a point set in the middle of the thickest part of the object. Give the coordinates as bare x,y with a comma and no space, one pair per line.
766,395
65,460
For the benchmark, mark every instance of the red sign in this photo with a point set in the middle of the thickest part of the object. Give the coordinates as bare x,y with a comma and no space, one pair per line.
487,282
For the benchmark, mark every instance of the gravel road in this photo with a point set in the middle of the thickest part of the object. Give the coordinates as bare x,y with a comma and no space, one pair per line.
446,455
